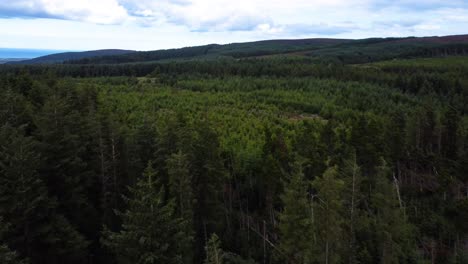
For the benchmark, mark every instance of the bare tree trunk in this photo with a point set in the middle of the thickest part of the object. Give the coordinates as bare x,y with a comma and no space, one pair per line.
397,187
433,260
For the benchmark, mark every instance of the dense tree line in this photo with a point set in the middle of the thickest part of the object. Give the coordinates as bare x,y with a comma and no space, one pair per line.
235,162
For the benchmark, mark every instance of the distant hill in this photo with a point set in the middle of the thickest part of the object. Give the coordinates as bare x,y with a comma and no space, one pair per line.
234,50
333,50
66,56
345,51
379,49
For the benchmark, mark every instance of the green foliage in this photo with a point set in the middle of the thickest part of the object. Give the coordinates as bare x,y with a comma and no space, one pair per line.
151,233
222,136
353,199
180,187
7,256
214,253
39,232
389,223
327,216
296,221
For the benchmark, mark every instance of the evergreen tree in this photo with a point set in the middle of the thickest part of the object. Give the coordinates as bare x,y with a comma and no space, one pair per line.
450,134
39,233
180,184
61,130
389,222
214,253
180,187
14,108
208,177
395,136
296,224
352,199
327,215
7,256
151,232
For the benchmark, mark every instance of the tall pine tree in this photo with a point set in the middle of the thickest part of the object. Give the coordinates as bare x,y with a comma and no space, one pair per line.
389,223
39,232
180,188
328,219
151,232
295,227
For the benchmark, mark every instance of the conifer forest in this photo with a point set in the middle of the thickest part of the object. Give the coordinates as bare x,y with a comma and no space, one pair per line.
255,158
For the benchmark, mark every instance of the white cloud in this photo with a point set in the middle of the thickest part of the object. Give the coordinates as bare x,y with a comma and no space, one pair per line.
154,24
97,11
265,16
229,15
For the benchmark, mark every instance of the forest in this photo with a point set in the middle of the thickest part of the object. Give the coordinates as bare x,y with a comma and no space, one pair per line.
276,159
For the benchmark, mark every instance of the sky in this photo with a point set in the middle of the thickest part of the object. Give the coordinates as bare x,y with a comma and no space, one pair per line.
160,24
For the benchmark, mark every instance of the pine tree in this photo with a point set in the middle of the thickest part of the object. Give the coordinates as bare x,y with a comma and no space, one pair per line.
352,198
151,232
180,188
327,215
7,256
389,222
450,134
61,130
39,233
395,136
209,175
180,184
14,108
296,229
214,253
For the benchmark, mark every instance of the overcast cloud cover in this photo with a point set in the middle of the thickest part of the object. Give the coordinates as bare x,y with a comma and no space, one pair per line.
155,24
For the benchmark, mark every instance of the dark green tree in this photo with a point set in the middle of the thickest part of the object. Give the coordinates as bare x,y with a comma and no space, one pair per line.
64,145
209,176
389,222
7,256
296,222
328,218
352,202
39,233
151,232
180,189
214,253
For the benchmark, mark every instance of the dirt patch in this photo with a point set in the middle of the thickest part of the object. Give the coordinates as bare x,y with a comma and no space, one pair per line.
303,116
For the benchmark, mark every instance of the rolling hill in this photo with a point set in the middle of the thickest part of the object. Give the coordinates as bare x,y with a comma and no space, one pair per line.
234,50
333,50
345,51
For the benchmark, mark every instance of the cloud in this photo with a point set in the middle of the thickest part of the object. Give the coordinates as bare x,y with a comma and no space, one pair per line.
239,15
264,18
318,29
196,15
306,29
418,5
200,15
230,23
98,12
403,23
